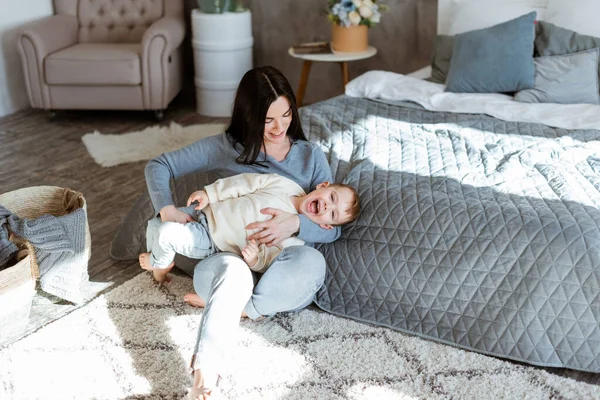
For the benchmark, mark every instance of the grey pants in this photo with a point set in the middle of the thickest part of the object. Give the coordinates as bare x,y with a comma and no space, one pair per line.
165,239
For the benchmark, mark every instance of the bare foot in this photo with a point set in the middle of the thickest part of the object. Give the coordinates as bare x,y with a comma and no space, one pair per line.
204,384
159,274
196,301
162,275
145,261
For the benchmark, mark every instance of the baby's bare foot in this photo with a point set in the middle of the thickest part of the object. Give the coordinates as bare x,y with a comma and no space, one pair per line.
159,274
162,275
145,261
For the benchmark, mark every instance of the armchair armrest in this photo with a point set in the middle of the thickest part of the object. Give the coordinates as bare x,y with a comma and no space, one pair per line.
160,60
50,34
37,40
169,30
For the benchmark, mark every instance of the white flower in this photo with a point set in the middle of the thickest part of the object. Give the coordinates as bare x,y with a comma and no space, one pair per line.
365,11
354,18
352,12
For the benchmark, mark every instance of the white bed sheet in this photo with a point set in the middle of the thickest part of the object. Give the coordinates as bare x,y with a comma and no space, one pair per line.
390,86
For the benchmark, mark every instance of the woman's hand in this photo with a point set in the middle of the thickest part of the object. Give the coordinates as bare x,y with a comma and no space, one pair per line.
172,214
281,226
201,197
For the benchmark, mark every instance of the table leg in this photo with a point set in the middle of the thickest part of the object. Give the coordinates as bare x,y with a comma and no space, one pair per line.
303,82
344,67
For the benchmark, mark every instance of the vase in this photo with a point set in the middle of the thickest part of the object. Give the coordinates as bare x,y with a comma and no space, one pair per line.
349,39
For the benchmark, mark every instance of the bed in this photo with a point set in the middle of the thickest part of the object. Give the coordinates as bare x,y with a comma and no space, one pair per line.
456,241
480,221
480,216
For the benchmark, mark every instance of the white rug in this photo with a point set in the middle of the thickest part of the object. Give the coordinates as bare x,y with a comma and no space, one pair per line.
109,150
136,342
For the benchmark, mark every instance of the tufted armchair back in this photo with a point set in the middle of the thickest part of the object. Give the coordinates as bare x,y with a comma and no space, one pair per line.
116,21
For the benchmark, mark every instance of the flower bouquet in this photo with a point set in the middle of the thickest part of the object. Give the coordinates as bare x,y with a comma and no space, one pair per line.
355,12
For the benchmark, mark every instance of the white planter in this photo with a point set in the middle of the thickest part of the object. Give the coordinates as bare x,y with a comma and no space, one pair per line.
222,46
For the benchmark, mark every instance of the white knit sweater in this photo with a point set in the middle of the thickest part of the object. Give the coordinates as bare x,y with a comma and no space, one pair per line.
236,202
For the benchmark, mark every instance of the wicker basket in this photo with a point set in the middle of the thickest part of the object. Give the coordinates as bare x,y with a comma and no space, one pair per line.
17,288
17,283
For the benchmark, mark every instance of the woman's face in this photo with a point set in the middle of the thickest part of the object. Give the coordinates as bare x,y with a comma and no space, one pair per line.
279,118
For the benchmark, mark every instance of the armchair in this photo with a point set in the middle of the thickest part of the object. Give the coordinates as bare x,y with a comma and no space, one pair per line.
104,54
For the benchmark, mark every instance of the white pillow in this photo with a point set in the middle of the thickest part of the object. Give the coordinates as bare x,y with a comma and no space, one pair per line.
468,15
580,16
422,73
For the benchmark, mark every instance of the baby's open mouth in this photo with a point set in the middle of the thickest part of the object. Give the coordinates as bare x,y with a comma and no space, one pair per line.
313,207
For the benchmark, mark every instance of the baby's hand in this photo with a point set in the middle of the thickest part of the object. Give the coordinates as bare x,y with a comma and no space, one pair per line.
201,197
170,213
250,253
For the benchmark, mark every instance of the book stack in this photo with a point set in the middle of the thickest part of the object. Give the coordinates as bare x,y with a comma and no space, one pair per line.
313,48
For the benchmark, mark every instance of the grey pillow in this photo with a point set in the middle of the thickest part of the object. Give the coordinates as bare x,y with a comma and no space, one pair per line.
442,54
552,40
564,79
497,59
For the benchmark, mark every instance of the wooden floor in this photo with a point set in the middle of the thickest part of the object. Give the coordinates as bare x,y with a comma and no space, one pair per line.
35,150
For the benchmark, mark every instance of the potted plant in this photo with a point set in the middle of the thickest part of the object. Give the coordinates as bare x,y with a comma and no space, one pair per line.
220,6
351,20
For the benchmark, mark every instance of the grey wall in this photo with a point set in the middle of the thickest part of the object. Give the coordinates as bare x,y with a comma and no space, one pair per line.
404,40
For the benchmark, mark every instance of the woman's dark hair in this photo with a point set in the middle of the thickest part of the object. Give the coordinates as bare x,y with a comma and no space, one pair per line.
259,88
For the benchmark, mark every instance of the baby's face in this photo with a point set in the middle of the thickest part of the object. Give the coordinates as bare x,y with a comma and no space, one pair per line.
327,205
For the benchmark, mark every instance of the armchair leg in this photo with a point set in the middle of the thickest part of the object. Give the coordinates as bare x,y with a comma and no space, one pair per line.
159,114
51,115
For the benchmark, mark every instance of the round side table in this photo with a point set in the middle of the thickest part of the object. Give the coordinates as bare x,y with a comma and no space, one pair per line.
341,58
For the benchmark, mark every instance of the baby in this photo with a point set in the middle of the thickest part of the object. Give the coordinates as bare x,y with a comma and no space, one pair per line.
225,208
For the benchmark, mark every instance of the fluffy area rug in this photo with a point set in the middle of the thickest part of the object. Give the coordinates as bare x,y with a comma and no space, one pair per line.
109,150
135,342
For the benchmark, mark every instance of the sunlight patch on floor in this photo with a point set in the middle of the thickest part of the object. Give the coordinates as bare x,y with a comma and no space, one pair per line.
361,391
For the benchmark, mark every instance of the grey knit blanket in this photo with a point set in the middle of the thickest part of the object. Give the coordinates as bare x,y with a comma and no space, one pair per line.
59,244
7,248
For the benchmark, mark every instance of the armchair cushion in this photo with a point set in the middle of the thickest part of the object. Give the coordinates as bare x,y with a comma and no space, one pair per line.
95,64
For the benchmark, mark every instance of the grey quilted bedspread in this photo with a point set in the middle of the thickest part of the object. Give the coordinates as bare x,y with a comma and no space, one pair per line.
475,232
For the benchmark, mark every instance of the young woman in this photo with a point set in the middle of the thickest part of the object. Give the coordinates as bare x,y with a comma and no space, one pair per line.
265,136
